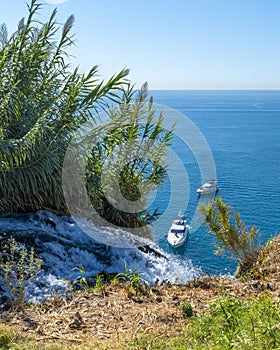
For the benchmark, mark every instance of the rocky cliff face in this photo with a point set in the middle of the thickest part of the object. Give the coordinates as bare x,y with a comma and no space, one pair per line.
267,267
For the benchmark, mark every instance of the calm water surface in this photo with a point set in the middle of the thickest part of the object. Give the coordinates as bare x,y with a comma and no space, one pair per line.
242,129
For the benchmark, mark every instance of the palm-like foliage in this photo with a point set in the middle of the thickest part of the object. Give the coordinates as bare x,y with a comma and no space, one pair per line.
127,162
42,103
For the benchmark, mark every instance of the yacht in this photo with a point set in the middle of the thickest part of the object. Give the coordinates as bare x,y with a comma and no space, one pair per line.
178,232
209,187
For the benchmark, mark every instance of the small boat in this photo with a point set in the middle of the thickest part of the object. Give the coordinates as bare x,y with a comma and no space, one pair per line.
178,232
209,187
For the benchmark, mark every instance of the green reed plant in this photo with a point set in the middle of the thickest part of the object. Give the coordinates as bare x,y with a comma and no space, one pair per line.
43,101
133,159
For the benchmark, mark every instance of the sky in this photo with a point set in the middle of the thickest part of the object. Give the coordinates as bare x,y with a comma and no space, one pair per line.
172,44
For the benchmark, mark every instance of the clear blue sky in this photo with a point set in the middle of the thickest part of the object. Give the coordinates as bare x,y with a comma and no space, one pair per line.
173,44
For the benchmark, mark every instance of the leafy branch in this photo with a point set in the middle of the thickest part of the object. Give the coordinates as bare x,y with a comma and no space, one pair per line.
232,237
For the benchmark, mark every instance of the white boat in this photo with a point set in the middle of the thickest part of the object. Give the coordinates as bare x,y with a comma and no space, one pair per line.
209,187
178,232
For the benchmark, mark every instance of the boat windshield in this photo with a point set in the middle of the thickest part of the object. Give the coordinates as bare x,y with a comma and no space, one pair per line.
179,222
177,231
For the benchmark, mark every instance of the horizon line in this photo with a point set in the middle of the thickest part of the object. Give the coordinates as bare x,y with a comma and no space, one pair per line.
210,89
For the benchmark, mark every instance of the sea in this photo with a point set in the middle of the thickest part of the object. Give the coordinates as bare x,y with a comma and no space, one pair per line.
242,129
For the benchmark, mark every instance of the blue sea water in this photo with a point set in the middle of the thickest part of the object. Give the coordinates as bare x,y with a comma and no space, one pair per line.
242,130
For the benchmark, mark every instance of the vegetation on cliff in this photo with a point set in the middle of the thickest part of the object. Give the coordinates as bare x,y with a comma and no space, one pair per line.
232,237
44,102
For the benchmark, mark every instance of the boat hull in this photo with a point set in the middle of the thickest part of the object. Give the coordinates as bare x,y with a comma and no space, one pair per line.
177,234
176,243
208,187
199,191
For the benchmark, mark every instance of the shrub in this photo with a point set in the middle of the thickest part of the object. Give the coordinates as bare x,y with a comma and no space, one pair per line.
186,309
232,237
6,338
19,267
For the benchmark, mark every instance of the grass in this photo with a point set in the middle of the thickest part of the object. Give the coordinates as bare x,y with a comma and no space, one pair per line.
135,286
228,324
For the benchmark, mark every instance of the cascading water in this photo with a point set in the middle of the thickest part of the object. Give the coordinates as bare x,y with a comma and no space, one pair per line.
64,247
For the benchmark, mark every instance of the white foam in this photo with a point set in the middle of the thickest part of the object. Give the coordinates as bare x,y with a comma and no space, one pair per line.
70,248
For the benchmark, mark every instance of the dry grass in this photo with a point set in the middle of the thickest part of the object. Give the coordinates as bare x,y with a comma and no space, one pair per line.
267,267
94,318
